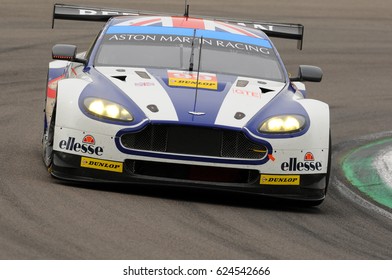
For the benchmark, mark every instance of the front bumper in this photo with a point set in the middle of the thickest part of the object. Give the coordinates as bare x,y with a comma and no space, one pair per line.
70,167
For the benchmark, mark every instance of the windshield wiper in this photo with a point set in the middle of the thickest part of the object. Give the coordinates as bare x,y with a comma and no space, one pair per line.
192,51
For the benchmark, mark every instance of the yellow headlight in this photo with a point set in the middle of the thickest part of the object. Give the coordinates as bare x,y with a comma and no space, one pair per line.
291,123
113,111
107,109
275,124
283,124
96,107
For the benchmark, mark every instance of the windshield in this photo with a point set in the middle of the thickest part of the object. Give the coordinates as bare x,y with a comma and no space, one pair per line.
243,56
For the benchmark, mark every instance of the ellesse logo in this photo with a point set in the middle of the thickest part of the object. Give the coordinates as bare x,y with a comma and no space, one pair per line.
309,164
86,147
309,157
89,139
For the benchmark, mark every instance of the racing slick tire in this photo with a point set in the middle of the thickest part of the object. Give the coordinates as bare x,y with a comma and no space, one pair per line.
47,142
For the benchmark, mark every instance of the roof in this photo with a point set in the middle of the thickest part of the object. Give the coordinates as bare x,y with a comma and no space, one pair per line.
245,28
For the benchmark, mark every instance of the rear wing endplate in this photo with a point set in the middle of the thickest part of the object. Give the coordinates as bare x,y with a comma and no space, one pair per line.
72,12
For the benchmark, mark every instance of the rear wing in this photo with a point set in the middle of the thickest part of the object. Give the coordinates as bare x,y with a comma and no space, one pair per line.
72,12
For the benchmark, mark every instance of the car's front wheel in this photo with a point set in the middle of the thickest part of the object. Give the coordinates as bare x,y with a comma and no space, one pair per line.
47,142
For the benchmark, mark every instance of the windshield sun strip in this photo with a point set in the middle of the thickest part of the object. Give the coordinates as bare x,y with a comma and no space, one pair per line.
218,35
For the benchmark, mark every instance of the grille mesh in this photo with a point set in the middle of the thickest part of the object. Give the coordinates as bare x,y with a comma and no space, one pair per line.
152,138
236,145
194,141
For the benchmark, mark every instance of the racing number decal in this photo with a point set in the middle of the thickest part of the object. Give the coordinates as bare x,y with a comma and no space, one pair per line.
189,79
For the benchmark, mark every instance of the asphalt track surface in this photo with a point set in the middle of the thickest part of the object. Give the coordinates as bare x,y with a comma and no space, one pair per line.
42,218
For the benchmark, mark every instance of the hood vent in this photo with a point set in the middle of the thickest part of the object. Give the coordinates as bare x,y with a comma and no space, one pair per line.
239,116
121,78
242,83
265,90
143,74
153,108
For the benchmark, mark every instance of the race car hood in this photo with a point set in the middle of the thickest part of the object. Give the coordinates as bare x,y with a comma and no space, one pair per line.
172,96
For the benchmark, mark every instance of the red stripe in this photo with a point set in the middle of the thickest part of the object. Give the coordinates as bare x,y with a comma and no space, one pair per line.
239,29
145,22
51,89
186,22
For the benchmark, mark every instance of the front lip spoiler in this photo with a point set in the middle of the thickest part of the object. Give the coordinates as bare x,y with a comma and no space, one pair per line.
72,172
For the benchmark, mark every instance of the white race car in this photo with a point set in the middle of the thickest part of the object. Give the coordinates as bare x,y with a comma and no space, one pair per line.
185,101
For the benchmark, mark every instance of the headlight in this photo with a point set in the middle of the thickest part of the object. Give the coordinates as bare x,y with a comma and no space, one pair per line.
283,124
107,109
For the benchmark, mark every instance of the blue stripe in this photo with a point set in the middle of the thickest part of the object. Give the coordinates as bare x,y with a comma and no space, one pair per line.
189,32
183,99
55,73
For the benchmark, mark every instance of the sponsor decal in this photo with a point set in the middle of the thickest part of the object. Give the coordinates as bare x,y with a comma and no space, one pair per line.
147,21
99,164
247,93
89,139
259,46
291,180
132,37
86,147
189,79
309,164
144,84
309,157
85,12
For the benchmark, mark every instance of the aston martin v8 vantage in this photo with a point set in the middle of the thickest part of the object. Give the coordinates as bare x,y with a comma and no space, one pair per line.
185,101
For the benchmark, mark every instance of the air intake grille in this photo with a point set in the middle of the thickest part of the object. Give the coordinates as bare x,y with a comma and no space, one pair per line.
191,172
191,140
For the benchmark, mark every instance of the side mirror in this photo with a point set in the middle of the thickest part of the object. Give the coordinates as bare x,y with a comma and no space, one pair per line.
308,73
66,52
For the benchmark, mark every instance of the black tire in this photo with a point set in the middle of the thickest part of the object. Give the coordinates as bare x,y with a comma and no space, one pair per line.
47,142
